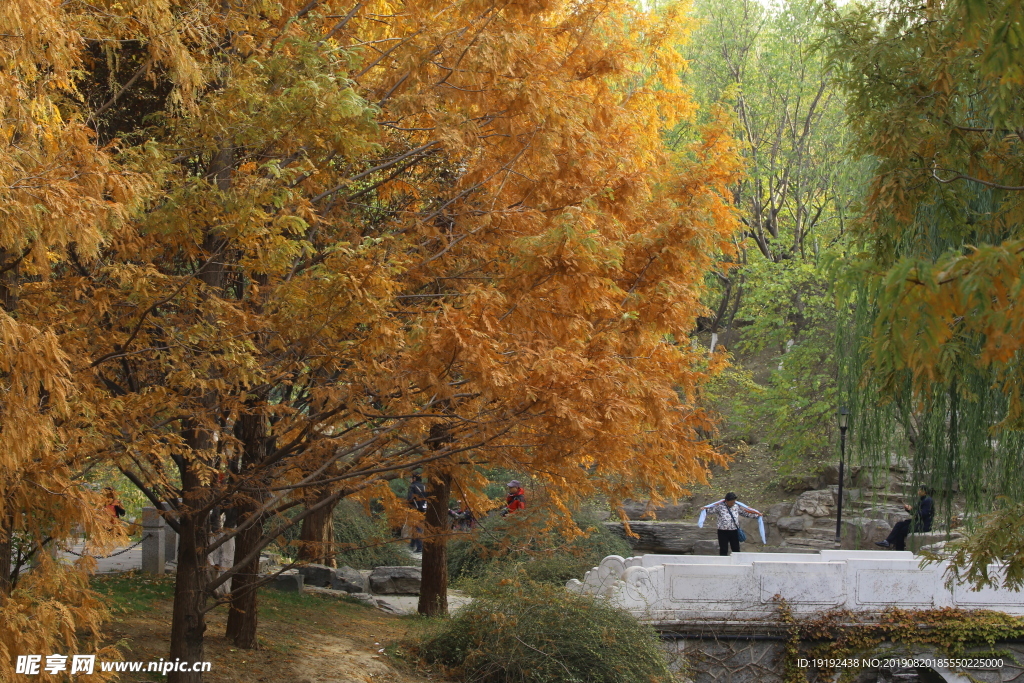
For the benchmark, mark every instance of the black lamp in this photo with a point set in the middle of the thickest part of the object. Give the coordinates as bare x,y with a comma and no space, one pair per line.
844,423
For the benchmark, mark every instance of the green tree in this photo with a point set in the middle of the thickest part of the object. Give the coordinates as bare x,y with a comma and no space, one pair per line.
795,200
933,302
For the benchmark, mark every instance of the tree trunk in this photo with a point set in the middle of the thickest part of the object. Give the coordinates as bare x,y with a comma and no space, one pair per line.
434,585
243,615
188,621
317,535
6,549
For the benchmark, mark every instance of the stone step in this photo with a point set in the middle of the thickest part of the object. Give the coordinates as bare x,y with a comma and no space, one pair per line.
821,532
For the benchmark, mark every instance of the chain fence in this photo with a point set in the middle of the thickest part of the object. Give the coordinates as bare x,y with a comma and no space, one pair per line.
119,552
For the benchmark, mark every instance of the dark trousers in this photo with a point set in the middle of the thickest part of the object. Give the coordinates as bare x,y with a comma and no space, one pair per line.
726,539
897,538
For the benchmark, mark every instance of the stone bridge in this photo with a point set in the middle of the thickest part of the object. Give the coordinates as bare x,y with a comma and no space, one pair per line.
719,616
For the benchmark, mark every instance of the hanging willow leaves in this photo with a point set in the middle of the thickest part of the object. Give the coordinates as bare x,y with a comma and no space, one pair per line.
935,322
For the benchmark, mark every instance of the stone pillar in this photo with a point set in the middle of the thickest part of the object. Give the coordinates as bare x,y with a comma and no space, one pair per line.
170,539
153,543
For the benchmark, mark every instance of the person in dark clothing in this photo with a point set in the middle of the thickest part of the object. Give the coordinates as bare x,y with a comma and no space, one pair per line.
417,497
920,521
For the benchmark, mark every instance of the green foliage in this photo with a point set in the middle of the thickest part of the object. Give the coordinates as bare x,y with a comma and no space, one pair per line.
366,540
519,544
527,632
792,312
931,355
841,635
763,62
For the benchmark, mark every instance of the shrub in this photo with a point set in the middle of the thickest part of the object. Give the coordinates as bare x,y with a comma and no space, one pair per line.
369,539
527,632
504,546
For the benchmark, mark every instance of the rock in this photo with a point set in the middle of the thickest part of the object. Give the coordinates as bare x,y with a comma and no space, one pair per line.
317,575
289,583
364,597
643,510
385,606
815,503
794,484
916,542
705,547
793,525
395,580
830,475
863,532
670,538
349,580
777,512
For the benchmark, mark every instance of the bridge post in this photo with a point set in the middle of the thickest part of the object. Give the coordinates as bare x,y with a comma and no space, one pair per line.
153,543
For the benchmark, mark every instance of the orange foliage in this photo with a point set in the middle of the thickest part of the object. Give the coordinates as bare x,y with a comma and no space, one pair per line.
360,222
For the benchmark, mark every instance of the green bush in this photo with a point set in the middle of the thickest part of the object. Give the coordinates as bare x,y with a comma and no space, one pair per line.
527,632
502,547
370,541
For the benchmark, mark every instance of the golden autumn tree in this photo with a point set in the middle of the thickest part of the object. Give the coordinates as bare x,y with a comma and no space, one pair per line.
59,196
338,241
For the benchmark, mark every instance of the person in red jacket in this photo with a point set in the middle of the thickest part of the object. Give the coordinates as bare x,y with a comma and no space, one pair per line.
516,498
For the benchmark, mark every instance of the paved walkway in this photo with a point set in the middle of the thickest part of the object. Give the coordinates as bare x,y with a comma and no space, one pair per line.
117,560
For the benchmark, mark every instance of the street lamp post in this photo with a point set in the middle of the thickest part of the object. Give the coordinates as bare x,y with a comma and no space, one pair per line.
844,422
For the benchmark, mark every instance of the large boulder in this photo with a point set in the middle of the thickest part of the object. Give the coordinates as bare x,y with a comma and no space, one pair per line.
395,580
918,541
863,532
815,503
317,575
669,538
777,512
288,582
643,510
795,484
349,580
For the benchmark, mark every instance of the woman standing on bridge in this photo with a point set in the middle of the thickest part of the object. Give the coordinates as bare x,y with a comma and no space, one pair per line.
728,522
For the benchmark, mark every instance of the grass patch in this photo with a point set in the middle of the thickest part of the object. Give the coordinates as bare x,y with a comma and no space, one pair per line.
133,592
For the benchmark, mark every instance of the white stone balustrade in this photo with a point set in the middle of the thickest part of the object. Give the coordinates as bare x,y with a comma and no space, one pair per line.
673,589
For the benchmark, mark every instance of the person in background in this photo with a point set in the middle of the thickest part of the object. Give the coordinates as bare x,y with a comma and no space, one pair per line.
113,505
920,521
417,497
728,522
462,517
516,498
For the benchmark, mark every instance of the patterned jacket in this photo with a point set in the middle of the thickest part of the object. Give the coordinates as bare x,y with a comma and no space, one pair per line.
727,521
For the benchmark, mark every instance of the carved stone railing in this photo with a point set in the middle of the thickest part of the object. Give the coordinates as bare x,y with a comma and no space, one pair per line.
676,589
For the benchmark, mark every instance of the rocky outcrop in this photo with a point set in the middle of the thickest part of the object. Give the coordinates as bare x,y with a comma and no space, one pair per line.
668,538
317,575
350,580
395,580
643,510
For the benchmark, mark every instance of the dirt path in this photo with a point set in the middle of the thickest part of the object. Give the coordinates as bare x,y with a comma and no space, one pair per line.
303,639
